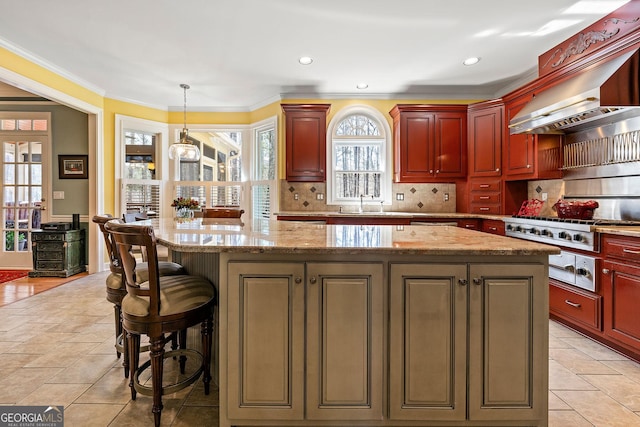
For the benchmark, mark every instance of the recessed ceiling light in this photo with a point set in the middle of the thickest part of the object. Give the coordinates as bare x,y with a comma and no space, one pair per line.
305,60
362,85
471,61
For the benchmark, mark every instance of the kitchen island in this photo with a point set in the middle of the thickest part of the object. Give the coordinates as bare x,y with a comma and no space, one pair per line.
333,325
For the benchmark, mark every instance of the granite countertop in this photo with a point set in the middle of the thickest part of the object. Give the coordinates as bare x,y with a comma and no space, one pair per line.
620,230
416,215
264,236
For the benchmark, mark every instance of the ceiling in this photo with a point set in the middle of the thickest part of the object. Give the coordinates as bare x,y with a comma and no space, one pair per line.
238,55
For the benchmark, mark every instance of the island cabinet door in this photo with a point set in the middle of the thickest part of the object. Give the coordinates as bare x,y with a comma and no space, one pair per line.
265,341
428,347
345,346
508,342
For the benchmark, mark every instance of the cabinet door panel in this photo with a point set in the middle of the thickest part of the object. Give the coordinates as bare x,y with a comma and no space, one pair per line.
344,341
505,303
417,155
450,159
485,141
428,342
622,297
308,132
266,341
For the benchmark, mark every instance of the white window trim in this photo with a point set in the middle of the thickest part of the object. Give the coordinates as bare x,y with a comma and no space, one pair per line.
387,160
268,123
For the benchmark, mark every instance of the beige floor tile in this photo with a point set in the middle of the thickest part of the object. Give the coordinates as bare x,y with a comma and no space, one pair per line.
198,398
557,342
578,362
87,369
23,382
558,330
138,412
555,403
91,415
55,394
197,416
560,378
618,387
113,387
599,409
593,349
567,419
628,368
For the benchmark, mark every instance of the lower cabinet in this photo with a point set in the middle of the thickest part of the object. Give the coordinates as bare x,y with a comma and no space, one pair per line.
385,343
305,341
433,309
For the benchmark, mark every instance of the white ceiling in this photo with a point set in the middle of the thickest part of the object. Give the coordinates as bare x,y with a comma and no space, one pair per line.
240,54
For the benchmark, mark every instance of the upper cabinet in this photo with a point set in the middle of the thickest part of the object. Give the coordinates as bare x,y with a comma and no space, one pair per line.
306,136
430,142
529,156
485,138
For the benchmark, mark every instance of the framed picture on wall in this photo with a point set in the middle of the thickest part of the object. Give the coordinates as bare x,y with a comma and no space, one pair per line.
73,166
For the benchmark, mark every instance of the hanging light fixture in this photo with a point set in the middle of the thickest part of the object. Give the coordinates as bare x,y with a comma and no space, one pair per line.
184,149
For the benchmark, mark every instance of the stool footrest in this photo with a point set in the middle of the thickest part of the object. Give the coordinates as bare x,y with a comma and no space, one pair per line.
172,388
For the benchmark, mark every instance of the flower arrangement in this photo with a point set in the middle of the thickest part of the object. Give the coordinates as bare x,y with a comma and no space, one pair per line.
183,202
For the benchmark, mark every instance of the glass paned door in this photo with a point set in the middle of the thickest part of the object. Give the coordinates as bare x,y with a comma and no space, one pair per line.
24,175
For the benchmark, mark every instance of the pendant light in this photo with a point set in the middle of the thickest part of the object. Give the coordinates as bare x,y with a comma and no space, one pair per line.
184,149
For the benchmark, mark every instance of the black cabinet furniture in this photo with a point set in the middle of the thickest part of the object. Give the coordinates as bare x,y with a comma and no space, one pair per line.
57,253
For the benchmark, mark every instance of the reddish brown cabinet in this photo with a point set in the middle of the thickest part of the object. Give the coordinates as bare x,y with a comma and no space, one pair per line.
621,289
493,226
430,142
529,156
485,138
305,134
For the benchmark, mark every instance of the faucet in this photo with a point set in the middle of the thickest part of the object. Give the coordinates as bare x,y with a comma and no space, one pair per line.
360,210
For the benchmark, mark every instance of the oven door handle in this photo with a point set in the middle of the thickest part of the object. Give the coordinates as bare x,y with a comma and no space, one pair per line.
569,267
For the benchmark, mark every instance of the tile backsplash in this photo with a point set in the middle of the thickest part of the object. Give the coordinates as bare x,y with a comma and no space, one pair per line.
554,190
425,198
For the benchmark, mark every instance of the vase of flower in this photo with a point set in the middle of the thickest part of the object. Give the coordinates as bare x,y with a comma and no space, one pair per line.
184,207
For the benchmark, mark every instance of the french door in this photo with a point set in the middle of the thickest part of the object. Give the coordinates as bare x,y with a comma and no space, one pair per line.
25,175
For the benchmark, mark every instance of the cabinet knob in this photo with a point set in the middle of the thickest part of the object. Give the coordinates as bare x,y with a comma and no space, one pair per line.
298,280
430,170
463,282
605,271
497,169
313,280
528,166
437,170
477,281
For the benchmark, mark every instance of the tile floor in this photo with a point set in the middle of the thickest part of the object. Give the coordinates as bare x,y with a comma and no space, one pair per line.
56,348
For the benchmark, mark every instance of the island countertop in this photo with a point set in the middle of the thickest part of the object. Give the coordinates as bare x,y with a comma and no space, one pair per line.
293,237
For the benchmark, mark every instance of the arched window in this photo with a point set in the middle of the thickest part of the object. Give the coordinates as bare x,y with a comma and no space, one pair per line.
359,157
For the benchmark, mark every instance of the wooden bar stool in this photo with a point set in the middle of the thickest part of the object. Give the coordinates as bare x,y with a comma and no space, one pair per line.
159,307
116,289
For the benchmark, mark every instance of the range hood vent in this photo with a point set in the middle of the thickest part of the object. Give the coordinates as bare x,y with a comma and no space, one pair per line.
603,94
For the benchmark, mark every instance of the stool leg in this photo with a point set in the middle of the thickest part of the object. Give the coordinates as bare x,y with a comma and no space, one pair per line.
125,350
182,338
156,354
116,311
206,332
134,360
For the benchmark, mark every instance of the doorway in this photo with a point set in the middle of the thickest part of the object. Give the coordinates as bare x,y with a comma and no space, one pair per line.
25,172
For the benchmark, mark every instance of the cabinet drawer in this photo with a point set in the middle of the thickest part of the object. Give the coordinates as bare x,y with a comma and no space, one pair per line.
470,224
483,208
49,265
50,246
627,248
50,255
493,227
44,237
485,198
485,185
574,304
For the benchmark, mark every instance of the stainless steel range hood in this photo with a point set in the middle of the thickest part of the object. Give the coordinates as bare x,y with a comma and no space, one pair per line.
603,94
